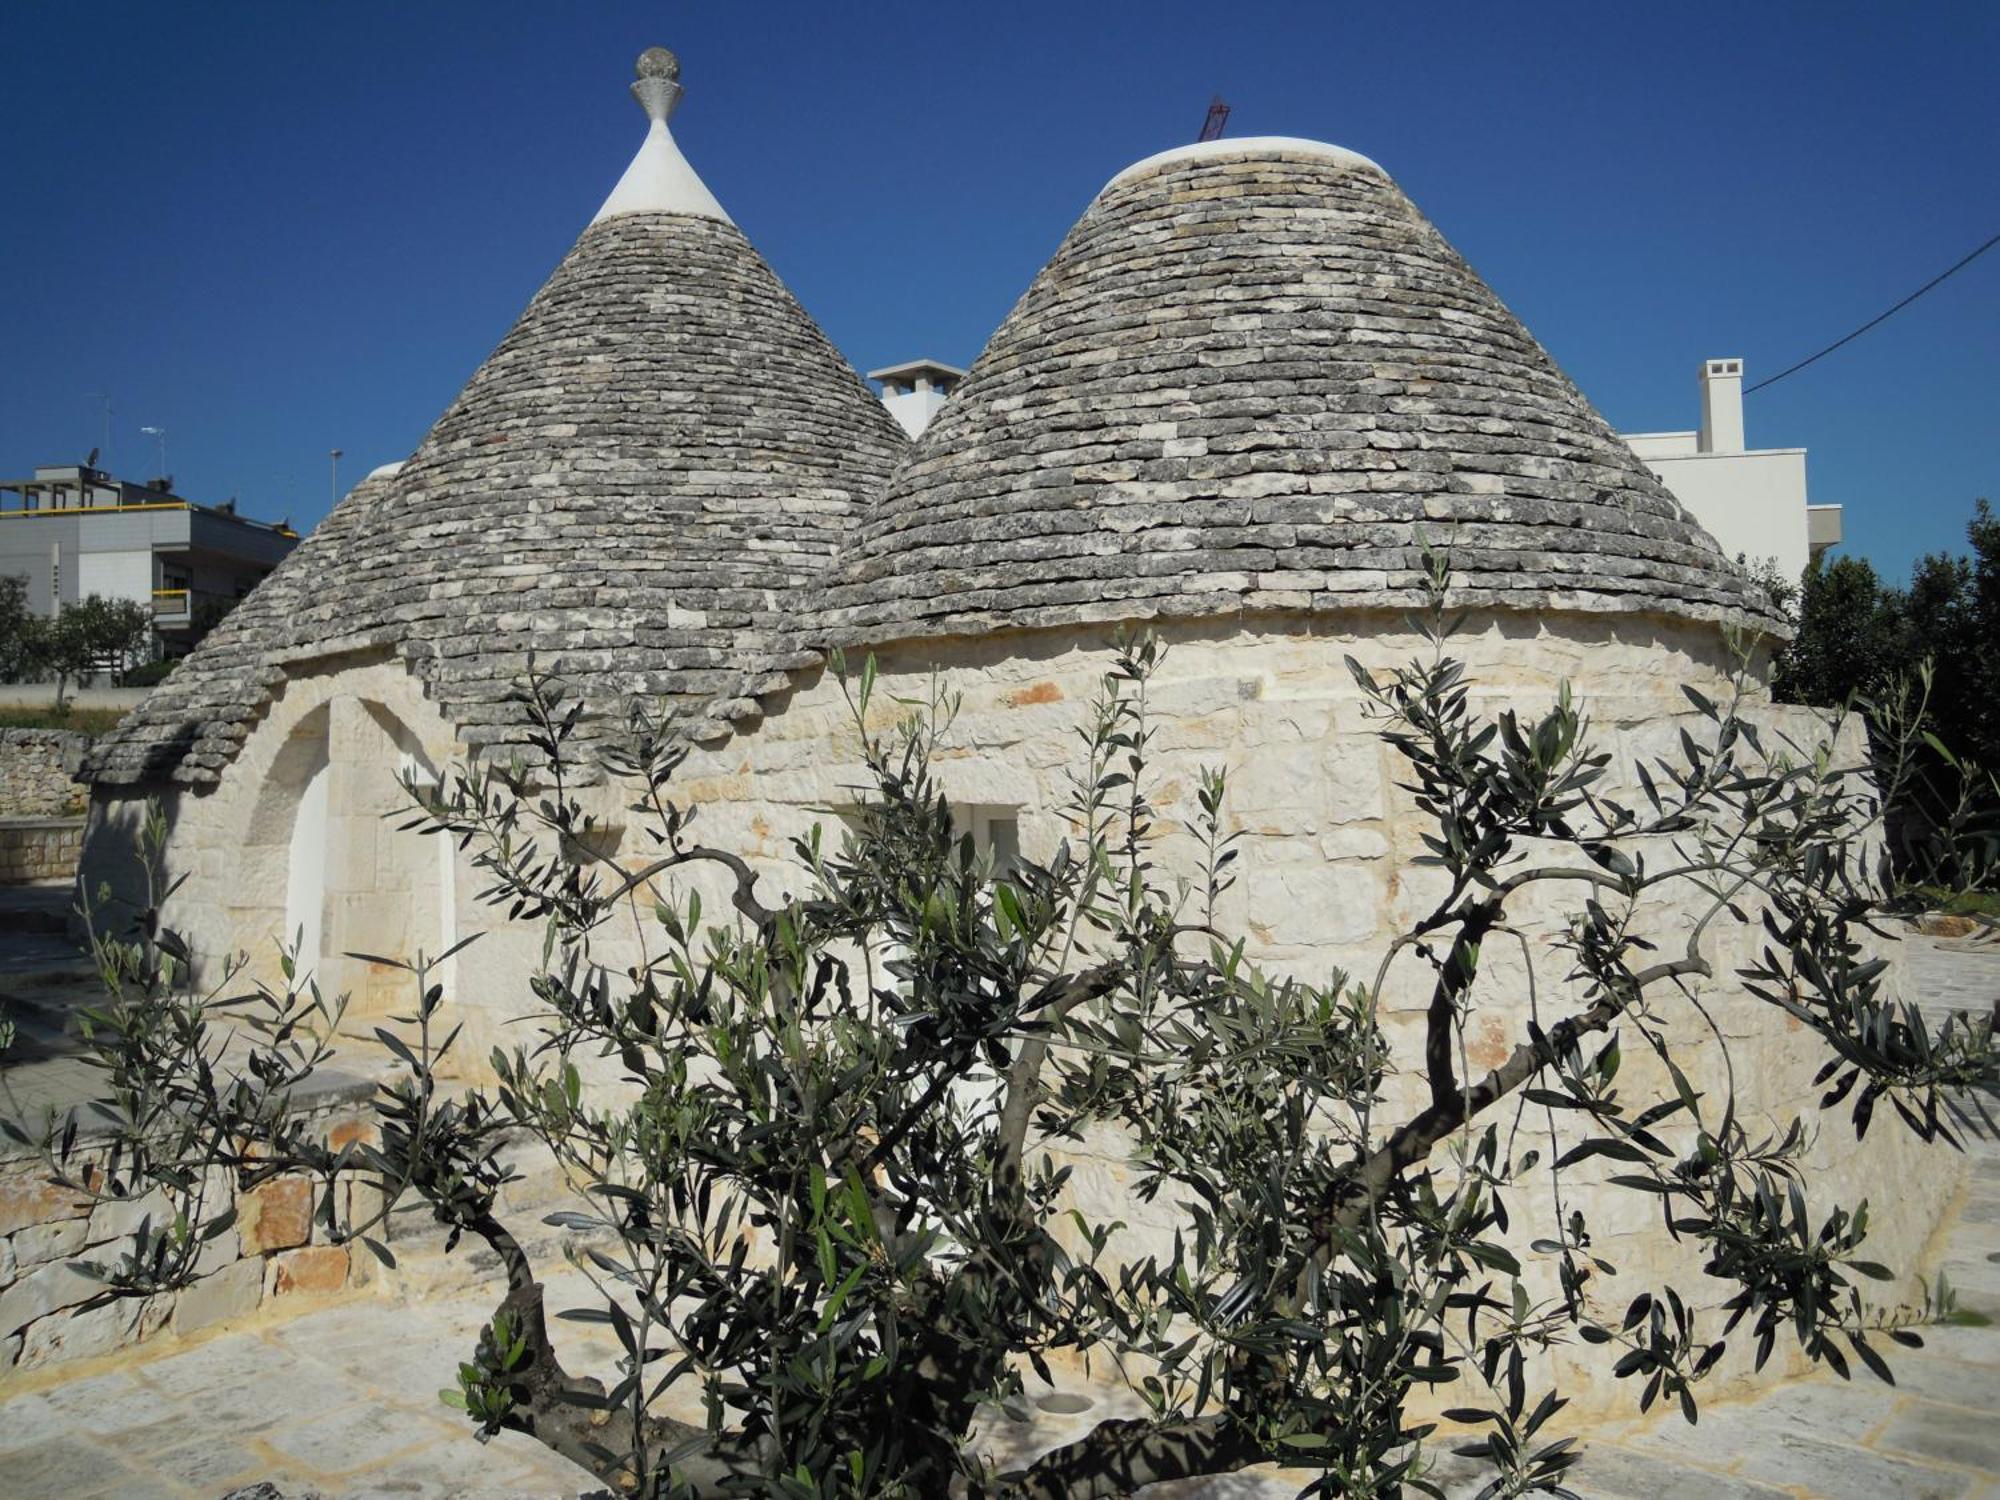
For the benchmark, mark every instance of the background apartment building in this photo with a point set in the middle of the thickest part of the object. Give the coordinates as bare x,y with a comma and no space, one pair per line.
73,531
1751,500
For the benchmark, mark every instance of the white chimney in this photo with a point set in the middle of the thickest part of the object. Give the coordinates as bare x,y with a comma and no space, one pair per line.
917,391
1721,406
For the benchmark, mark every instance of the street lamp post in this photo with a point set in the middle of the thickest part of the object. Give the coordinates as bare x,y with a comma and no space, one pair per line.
333,481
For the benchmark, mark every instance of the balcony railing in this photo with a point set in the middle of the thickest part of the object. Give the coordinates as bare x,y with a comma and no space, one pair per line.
171,606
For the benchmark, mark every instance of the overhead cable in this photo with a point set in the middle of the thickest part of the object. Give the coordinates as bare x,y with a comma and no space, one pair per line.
1935,280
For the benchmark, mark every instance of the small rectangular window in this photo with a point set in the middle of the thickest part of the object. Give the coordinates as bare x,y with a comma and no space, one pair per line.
996,831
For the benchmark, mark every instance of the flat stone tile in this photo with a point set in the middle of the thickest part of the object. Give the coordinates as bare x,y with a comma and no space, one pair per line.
1977,1239
28,1420
145,1487
1977,1280
360,1326
1944,1434
354,1439
1932,1377
1974,1346
425,1356
1229,1487
242,1384
62,1467
1835,1471
1846,1413
536,1464
456,1460
211,1465
113,1401
1826,1407
234,1359
427,1477
1613,1473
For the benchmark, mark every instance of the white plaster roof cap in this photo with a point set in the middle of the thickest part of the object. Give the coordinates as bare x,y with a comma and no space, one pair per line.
1249,145
387,471
660,181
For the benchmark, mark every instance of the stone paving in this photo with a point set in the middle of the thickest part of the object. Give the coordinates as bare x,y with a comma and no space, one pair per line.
342,1401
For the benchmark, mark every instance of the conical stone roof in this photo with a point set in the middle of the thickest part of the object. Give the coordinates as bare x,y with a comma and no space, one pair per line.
1252,379
632,487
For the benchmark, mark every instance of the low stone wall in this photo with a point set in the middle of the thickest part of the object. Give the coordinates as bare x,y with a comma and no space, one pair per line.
37,772
37,849
50,1234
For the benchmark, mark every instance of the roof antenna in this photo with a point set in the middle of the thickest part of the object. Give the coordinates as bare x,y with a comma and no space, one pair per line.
1217,119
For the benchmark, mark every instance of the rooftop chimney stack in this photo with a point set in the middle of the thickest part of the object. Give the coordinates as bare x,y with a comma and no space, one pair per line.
1721,406
917,391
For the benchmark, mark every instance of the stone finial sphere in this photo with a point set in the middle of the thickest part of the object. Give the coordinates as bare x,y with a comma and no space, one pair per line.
658,62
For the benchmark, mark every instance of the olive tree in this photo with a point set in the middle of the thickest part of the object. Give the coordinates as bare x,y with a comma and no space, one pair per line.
94,634
825,1190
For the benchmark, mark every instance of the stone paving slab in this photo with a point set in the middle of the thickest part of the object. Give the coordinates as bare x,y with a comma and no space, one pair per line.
342,1401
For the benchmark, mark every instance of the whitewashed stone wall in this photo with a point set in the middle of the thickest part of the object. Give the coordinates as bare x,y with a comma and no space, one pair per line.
1327,873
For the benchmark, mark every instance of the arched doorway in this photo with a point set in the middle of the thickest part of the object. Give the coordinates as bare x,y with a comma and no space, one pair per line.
329,868
280,899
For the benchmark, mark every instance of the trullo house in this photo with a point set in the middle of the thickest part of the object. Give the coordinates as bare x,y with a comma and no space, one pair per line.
1251,381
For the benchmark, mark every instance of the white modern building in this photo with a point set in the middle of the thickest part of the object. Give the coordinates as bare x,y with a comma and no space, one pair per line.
1751,500
72,531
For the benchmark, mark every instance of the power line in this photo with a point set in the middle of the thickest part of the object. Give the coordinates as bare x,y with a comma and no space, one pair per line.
1941,276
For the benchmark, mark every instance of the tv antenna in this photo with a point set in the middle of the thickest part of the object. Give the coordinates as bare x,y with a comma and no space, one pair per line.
159,435
104,448
1218,117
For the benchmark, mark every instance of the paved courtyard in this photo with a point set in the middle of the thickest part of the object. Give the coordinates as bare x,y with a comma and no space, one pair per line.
342,1401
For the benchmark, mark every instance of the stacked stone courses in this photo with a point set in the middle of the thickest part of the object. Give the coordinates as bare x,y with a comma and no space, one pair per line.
632,487
38,772
1249,382
1258,382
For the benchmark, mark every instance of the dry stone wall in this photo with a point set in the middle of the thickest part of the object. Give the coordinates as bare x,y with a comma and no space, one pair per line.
38,770
51,1238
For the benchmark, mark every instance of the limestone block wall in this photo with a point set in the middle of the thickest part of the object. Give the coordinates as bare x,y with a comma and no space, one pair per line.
37,772
1328,876
36,850
296,834
275,1251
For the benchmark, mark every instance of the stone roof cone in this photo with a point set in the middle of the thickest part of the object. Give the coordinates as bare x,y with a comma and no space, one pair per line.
663,447
1253,378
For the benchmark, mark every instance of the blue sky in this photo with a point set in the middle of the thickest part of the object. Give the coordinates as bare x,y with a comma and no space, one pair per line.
278,228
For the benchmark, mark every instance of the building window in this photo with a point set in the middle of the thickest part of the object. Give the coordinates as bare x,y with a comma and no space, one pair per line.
996,831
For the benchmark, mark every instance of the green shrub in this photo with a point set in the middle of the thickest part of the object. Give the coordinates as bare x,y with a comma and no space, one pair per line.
41,716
